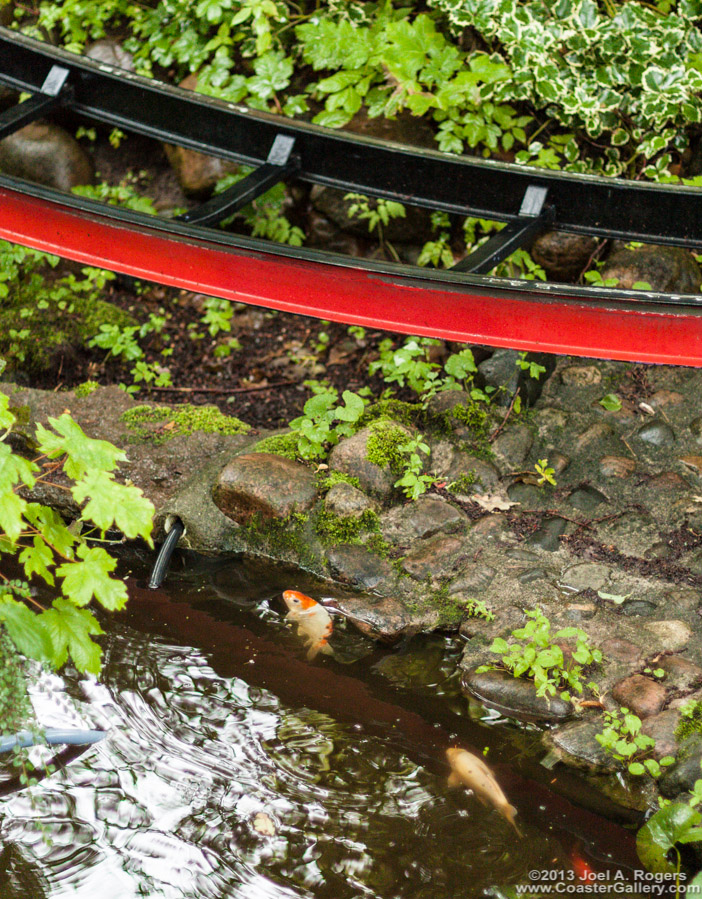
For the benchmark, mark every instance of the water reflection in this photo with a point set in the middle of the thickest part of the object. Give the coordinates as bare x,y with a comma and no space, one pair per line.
211,785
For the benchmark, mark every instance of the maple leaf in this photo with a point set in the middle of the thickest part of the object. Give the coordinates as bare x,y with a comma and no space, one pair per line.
90,576
83,452
110,502
70,630
25,630
36,560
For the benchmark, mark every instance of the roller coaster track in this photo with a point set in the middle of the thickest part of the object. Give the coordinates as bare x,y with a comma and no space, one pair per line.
463,303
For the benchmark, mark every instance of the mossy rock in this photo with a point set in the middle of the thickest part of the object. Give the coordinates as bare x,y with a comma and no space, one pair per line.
33,338
157,424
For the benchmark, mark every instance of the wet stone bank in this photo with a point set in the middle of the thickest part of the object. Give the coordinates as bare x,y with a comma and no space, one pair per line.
613,548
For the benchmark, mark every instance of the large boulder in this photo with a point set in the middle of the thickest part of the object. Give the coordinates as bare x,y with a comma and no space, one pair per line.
46,154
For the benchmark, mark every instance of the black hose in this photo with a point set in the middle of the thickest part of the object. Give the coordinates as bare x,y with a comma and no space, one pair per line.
163,559
51,736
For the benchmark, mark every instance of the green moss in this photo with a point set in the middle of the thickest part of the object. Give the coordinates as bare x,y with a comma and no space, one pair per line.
41,316
333,529
288,539
167,421
86,388
328,479
690,722
394,410
462,484
280,445
383,446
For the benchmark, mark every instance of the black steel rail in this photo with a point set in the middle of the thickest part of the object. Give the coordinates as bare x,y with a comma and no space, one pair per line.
607,207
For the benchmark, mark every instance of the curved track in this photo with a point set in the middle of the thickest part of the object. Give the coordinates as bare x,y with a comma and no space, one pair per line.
457,305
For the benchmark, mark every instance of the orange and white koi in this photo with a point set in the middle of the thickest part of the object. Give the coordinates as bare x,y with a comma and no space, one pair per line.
313,622
472,772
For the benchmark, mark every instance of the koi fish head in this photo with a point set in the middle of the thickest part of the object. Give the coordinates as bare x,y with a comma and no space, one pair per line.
298,602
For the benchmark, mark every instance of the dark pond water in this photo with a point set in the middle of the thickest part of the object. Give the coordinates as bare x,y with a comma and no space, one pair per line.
234,768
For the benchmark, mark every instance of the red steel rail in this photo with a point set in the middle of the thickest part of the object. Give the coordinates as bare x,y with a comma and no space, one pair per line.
497,313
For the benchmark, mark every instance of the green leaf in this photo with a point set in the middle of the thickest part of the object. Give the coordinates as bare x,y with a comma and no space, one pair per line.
37,559
636,768
660,834
499,645
611,402
25,629
109,502
91,577
70,630
7,419
52,528
83,452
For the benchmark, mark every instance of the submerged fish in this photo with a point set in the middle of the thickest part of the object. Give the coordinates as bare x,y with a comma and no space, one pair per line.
581,867
472,772
313,622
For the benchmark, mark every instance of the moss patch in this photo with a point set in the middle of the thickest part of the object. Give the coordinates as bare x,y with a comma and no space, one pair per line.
394,410
333,529
690,722
160,423
85,389
280,445
288,539
328,479
383,446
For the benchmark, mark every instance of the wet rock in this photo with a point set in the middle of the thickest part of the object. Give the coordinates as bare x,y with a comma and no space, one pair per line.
263,483
681,776
585,576
490,527
420,519
644,696
667,481
46,154
547,536
549,420
532,574
527,495
519,554
435,558
576,745
562,255
597,435
357,566
680,673
586,499
512,446
558,462
581,375
513,696
667,269
197,173
617,466
694,463
661,728
350,457
696,429
345,500
473,578
663,398
111,53
323,233
672,634
642,607
657,433
581,611
500,370
413,227
386,619
485,475
622,651
445,401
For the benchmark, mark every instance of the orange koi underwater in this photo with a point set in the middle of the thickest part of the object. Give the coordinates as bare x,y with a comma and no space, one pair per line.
313,622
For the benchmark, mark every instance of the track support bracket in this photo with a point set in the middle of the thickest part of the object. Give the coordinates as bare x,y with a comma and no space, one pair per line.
280,164
54,91
534,217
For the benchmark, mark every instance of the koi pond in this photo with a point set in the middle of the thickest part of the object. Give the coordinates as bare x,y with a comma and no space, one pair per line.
233,767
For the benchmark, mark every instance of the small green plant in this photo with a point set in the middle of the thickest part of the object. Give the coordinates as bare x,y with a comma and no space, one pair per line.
533,369
611,402
377,213
217,316
690,720
622,738
675,824
408,365
534,652
86,388
324,421
546,474
124,194
476,608
413,482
